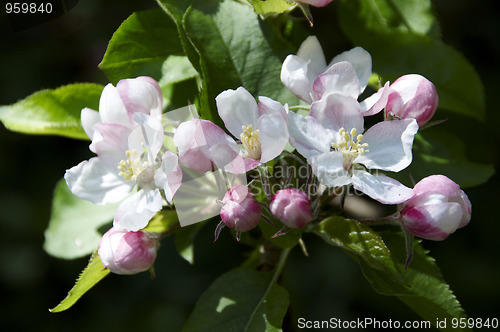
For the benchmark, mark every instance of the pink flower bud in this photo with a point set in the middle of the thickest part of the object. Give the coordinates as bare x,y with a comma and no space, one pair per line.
126,252
240,210
292,207
438,208
412,97
315,3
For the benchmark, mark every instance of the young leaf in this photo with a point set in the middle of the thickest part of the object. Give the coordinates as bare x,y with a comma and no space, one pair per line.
379,27
383,259
52,112
140,46
164,222
72,230
90,276
240,300
271,6
235,49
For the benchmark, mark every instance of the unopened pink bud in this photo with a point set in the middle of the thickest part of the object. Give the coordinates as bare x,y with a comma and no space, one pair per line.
126,252
292,207
240,211
412,97
438,208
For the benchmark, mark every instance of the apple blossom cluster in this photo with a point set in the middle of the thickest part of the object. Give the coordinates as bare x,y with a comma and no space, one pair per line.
326,133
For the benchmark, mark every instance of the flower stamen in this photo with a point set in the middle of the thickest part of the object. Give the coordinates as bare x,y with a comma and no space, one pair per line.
132,168
349,147
251,142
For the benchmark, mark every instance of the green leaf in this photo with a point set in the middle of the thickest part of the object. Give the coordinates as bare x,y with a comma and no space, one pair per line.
440,152
240,300
359,240
140,46
176,9
90,276
377,25
52,112
271,6
177,69
235,49
184,239
72,230
383,259
164,222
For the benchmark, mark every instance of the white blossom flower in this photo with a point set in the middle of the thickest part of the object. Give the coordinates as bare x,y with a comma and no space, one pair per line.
332,141
308,76
262,128
127,137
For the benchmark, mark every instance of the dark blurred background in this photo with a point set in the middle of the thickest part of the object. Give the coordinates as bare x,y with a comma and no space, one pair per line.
326,284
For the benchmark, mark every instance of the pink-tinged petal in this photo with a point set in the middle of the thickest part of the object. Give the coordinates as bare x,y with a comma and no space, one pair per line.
328,168
273,133
228,158
339,78
169,176
308,136
389,145
295,76
381,188
93,181
268,106
135,212
110,143
148,135
434,221
237,108
336,111
315,3
361,61
194,138
437,184
143,95
376,102
310,50
111,107
89,119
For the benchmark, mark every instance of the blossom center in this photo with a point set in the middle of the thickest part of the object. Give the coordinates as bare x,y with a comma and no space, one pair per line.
134,169
349,147
251,142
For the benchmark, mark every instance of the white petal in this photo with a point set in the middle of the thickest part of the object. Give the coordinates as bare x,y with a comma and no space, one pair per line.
339,78
169,176
141,94
228,158
149,135
389,145
382,188
237,108
361,60
268,106
135,212
89,119
376,102
336,111
328,168
110,142
273,133
93,181
111,107
308,136
295,76
311,51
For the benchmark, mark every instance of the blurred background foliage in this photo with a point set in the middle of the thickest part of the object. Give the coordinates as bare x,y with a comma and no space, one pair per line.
326,284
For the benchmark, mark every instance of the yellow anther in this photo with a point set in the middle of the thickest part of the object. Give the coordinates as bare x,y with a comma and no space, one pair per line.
131,168
349,147
251,142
